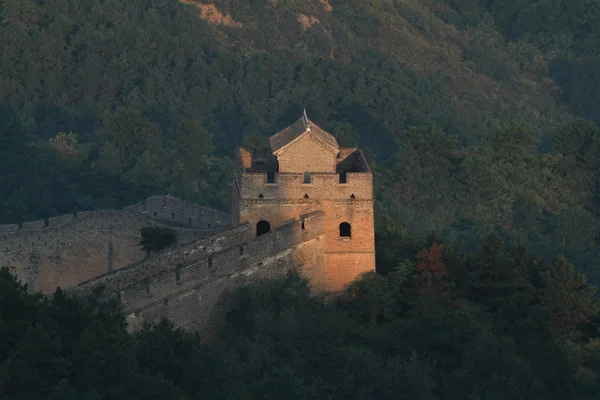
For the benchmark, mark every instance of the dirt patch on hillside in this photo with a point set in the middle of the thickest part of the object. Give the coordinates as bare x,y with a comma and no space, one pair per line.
326,6
210,13
306,21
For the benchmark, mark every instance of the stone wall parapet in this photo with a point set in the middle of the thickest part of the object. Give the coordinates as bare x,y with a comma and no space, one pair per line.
174,270
289,186
190,222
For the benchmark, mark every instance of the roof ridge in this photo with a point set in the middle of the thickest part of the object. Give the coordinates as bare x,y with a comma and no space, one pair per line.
301,126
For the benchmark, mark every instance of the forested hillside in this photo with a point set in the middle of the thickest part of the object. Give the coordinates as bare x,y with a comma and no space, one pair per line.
498,324
477,115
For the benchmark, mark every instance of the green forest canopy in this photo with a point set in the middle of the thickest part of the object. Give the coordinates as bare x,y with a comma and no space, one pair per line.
436,325
478,115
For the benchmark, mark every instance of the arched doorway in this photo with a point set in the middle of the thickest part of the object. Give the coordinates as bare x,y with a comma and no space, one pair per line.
262,227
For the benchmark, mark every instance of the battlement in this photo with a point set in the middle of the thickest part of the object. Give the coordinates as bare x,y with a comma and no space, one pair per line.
347,160
166,210
189,220
290,186
207,269
258,179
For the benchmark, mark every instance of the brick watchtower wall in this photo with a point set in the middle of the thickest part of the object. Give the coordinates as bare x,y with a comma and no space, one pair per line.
311,174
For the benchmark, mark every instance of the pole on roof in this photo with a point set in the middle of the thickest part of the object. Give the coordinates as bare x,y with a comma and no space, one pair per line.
305,118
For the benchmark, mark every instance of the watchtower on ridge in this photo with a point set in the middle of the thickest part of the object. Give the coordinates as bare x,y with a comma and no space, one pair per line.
306,172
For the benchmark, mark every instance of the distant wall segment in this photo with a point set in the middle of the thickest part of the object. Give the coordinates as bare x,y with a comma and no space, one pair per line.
72,248
171,210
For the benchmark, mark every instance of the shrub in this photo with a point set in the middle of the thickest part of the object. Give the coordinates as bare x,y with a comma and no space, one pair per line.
157,238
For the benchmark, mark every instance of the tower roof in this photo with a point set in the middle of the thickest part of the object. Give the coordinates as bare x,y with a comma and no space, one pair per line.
299,128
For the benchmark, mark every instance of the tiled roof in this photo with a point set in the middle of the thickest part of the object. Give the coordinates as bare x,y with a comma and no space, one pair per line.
322,135
286,136
297,129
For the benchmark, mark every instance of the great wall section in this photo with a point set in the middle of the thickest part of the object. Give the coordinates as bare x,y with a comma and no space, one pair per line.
307,207
192,284
69,249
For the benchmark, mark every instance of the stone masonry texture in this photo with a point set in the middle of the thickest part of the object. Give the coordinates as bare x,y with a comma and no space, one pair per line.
72,248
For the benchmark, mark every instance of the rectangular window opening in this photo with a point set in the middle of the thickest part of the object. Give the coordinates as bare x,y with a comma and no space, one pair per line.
307,177
270,177
343,177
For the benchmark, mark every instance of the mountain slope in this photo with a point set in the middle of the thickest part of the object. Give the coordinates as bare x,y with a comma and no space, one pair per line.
158,93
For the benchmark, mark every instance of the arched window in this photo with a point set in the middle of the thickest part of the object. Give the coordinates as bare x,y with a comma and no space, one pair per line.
262,227
345,230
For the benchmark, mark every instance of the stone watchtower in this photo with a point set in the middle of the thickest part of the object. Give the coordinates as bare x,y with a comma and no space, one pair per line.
306,172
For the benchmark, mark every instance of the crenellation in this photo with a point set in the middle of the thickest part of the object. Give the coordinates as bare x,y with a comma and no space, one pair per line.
290,186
